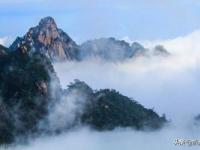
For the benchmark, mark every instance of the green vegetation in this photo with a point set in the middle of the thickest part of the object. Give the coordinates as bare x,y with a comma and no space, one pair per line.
107,109
26,94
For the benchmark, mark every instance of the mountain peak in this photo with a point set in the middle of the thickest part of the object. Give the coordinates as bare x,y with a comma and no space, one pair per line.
48,39
47,22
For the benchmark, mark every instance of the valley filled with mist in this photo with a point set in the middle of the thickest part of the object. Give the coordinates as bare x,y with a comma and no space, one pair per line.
168,85
105,93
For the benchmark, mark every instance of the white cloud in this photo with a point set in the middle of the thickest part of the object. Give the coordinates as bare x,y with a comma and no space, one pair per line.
185,50
4,40
85,139
184,44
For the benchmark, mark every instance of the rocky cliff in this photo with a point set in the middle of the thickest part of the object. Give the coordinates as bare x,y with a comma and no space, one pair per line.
48,39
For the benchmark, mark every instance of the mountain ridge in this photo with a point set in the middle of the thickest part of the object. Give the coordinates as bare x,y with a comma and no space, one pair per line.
57,45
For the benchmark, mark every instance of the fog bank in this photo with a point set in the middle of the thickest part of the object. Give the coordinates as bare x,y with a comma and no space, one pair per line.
85,139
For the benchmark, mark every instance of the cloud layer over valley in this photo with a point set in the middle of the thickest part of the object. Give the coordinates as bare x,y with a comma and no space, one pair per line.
170,85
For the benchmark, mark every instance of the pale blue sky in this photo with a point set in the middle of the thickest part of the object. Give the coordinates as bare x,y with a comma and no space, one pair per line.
88,19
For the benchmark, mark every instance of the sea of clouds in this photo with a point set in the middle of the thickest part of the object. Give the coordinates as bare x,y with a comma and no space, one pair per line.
169,85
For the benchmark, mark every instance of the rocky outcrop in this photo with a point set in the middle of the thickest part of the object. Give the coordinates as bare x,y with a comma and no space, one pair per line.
47,39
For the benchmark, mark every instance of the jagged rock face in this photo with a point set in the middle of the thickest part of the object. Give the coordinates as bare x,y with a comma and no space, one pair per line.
106,48
49,40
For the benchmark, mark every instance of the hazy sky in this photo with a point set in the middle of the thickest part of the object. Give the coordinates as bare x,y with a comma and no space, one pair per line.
87,19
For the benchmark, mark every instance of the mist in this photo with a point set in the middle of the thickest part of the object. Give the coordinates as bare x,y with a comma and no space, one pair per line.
85,139
169,85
